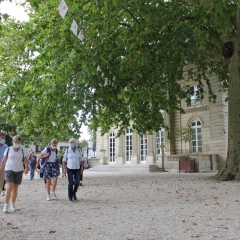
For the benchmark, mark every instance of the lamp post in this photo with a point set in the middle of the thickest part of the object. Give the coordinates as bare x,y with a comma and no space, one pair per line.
162,146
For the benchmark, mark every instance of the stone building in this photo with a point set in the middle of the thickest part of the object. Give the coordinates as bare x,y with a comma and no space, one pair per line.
208,146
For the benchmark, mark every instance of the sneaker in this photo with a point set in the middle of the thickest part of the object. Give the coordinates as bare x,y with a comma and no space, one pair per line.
54,196
12,207
5,208
2,193
48,198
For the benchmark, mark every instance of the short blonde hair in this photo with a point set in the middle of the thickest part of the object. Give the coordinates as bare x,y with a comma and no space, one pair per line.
54,141
17,138
74,141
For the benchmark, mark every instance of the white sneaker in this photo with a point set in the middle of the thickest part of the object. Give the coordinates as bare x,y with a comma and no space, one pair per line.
13,207
54,196
48,198
5,208
2,193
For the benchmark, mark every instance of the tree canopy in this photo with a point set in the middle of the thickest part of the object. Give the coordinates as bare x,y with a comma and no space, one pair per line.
128,67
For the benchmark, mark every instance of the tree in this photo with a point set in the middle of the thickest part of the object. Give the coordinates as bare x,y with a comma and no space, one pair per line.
128,67
185,134
83,143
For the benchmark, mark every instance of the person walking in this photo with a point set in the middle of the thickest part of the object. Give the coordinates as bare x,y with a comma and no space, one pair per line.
3,147
13,164
50,168
32,160
73,165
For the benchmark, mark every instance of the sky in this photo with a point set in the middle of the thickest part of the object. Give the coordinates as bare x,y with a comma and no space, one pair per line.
19,13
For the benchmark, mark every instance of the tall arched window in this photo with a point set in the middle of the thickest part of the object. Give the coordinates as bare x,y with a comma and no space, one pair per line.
143,148
128,145
112,147
197,136
159,140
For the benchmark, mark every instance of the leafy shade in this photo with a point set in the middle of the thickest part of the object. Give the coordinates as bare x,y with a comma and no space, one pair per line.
141,48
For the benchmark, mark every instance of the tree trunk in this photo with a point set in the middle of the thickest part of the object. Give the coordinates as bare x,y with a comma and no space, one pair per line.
231,170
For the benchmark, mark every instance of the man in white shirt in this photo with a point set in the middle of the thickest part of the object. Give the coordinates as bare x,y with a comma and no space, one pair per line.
73,165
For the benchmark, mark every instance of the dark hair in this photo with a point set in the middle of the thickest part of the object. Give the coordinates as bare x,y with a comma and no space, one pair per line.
2,134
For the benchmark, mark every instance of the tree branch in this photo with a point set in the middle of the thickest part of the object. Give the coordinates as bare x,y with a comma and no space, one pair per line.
206,53
132,16
124,24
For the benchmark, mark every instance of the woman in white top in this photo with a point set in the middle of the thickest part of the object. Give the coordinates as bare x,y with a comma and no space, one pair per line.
73,164
50,168
13,163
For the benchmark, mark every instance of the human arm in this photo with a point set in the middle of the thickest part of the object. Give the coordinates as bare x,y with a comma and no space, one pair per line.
3,163
81,163
64,163
25,160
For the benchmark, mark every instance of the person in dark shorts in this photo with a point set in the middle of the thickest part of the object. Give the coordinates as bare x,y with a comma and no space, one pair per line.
3,147
13,164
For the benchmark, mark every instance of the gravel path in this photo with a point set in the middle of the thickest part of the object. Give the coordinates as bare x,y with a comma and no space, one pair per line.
127,206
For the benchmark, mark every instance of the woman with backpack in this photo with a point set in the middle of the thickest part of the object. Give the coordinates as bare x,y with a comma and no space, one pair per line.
73,165
50,168
13,164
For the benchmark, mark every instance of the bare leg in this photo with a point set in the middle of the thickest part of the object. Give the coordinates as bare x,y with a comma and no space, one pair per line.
48,185
14,193
54,184
9,189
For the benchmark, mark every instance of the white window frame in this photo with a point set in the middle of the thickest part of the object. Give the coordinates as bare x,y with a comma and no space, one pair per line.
197,136
159,141
195,97
128,144
112,148
143,148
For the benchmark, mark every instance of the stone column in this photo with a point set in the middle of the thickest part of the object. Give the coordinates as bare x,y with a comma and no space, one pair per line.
121,153
169,144
214,162
150,159
135,149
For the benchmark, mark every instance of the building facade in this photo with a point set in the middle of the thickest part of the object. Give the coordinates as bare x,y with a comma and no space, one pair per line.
208,121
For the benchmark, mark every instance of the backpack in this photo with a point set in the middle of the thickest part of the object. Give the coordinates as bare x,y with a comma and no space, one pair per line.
49,151
44,160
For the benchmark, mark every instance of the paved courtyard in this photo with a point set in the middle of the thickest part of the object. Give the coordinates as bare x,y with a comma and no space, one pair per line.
127,206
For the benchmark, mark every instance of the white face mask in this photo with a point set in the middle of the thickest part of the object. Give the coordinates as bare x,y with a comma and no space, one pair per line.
16,145
2,141
53,147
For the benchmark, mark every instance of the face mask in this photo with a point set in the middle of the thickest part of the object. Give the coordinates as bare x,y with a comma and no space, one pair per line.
16,145
2,141
53,147
71,145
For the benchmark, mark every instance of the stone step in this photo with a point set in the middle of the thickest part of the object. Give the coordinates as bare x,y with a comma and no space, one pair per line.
127,168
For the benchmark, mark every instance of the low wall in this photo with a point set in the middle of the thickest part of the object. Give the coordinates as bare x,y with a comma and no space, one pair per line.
93,162
203,162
